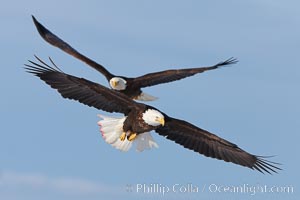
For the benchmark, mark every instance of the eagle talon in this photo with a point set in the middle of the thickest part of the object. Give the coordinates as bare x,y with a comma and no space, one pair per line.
123,136
132,136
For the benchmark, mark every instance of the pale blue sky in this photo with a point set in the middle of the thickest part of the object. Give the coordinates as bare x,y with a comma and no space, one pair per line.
50,148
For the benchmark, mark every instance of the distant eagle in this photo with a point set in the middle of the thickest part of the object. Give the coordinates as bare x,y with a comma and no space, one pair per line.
140,119
129,86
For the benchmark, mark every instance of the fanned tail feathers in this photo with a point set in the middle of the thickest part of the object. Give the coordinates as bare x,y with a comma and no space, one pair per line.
145,97
111,129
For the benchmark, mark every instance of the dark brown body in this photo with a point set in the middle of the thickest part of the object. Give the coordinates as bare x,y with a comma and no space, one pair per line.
134,122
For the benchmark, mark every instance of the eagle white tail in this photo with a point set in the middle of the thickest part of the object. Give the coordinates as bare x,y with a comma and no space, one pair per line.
111,129
146,97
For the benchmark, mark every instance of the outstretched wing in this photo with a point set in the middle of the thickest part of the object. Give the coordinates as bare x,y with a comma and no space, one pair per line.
210,145
59,43
174,75
82,90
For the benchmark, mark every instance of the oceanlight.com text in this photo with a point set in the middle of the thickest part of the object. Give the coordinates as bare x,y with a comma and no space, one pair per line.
189,188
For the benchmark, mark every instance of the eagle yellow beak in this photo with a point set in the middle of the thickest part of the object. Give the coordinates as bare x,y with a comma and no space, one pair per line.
161,121
114,83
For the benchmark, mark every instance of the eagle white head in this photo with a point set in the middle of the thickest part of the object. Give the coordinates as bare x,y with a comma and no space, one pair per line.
153,117
117,83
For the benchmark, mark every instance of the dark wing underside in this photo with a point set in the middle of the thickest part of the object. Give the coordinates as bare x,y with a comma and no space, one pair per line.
59,43
210,145
174,75
82,90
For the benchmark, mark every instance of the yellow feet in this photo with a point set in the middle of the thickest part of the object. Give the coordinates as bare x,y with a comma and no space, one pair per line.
123,136
132,136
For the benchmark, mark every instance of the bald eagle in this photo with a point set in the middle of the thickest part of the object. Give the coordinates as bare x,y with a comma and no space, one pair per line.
139,119
129,86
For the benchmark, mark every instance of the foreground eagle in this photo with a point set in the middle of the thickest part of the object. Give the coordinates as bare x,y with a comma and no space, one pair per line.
129,86
140,119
